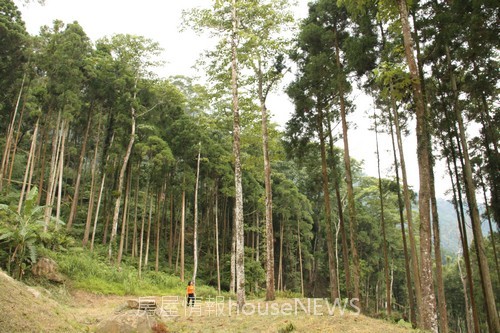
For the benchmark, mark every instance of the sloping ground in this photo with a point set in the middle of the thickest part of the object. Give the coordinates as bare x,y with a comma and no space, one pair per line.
280,316
24,310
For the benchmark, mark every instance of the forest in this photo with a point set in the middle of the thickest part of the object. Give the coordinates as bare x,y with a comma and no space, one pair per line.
191,178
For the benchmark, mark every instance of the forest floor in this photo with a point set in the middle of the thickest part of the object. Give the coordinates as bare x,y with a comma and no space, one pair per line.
24,309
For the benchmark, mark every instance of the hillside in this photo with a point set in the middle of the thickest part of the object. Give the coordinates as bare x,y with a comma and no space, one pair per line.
450,235
25,309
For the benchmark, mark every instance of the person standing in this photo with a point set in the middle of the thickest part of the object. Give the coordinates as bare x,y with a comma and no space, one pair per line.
190,293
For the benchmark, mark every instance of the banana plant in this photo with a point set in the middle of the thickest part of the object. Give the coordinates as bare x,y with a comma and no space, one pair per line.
20,233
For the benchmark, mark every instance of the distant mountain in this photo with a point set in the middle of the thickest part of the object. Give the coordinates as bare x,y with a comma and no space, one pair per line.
450,234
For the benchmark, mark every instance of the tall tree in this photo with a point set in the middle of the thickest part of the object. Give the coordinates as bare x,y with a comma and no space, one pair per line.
135,58
263,42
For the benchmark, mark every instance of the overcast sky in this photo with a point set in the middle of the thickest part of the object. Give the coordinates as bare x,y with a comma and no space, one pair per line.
160,20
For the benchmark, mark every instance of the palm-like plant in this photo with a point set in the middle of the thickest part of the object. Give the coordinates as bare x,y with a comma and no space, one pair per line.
20,232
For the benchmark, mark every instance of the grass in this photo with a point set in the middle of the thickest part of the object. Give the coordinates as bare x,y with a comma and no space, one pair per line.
92,272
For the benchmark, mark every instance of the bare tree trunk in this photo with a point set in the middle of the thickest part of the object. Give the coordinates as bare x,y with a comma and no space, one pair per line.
14,149
29,166
382,222
171,238
428,310
52,172
183,219
195,231
268,192
99,199
125,215
413,315
238,218
466,299
492,233
217,238
459,208
141,245
120,182
43,156
148,235
484,271
10,133
90,208
136,204
36,154
409,217
340,209
300,260
65,130
280,269
232,282
158,225
328,215
348,178
443,313
74,204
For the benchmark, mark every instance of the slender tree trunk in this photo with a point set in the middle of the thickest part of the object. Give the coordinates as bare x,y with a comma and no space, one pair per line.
183,220
443,313
348,177
217,239
90,208
238,218
15,143
382,222
459,208
125,214
470,191
328,215
74,204
121,177
10,133
43,156
300,260
280,270
492,233
340,209
148,235
195,231
65,130
232,282
413,315
428,310
409,216
158,226
136,204
484,271
29,167
171,238
36,154
52,173
466,299
268,192
141,241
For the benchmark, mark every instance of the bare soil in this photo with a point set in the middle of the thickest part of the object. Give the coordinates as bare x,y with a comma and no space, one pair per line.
24,309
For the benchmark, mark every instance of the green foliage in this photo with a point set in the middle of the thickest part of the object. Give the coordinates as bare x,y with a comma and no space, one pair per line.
287,328
21,233
92,272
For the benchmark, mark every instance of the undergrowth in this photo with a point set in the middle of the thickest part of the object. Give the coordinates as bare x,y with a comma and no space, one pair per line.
92,271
